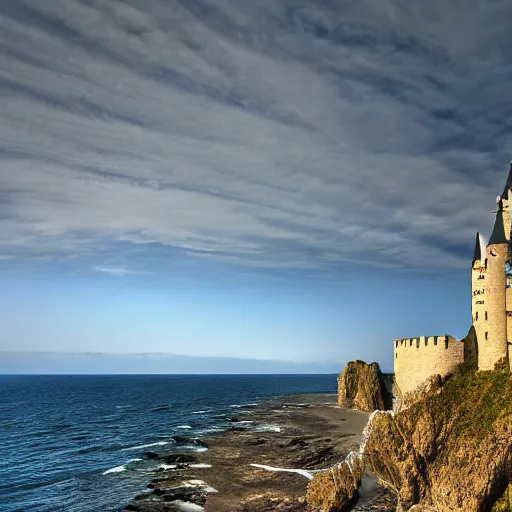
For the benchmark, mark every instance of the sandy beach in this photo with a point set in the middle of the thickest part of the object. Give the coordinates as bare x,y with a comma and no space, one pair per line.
299,432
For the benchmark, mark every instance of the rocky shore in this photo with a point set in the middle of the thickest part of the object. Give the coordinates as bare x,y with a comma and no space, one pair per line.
263,462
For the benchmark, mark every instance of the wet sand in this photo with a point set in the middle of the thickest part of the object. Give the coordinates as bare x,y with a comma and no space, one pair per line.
308,432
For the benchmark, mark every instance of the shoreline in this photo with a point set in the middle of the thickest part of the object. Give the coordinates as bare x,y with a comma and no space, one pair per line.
263,462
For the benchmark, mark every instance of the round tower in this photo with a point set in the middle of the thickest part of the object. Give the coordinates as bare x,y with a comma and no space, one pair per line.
492,332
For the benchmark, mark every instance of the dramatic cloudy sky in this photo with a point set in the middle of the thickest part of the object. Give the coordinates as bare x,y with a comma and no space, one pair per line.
287,179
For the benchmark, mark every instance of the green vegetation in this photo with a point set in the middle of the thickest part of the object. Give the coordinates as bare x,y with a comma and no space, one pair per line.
476,399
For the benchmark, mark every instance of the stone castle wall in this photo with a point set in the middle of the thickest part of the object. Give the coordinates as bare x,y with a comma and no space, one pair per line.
417,359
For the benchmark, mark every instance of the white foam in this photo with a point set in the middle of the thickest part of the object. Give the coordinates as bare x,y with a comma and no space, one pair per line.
117,469
268,428
184,426
165,467
200,412
302,472
184,506
238,406
133,460
200,466
139,447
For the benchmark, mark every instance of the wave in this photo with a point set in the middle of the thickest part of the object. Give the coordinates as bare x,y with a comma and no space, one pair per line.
184,426
117,469
243,406
161,408
149,445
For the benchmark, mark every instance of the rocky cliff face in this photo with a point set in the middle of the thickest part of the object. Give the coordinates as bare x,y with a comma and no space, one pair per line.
361,386
449,452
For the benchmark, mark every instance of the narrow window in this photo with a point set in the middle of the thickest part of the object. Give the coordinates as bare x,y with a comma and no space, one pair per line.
486,335
486,316
410,343
476,316
396,355
396,344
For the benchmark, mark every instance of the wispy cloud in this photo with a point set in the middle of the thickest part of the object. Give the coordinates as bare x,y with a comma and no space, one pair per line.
115,271
295,135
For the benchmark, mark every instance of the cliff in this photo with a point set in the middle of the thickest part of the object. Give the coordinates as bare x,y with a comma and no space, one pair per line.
361,386
449,452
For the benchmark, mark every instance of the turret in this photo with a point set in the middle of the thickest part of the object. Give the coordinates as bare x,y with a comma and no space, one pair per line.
492,331
506,199
479,253
478,282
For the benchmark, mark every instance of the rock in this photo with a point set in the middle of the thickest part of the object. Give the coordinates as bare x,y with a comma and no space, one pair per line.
150,455
361,386
176,458
189,440
451,451
181,439
336,490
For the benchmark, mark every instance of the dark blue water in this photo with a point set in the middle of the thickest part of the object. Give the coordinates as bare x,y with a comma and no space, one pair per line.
61,434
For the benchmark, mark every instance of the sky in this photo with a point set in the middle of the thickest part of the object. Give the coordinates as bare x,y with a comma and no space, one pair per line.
297,181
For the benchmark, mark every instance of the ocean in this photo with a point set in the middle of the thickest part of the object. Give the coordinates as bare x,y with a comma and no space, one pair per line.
76,443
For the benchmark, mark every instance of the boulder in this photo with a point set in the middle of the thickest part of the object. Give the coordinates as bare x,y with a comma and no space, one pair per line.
361,386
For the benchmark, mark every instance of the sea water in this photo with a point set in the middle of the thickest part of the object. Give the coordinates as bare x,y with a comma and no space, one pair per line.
77,443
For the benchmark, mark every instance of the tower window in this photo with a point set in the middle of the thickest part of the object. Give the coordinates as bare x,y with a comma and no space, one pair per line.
486,315
396,355
476,316
486,335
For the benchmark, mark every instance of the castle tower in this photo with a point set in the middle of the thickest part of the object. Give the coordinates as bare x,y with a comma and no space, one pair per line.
491,326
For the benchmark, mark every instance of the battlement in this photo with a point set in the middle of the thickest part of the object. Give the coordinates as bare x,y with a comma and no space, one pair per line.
417,359
423,341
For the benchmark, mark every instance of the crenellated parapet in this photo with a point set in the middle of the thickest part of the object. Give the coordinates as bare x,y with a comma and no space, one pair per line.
417,359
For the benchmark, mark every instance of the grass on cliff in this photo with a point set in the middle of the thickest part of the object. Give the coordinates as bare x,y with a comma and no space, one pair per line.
477,399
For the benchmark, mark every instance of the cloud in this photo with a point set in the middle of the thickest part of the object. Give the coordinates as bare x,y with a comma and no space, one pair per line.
292,135
115,271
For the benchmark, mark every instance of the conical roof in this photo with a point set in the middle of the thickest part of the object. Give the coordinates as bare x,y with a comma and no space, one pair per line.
479,254
498,233
508,184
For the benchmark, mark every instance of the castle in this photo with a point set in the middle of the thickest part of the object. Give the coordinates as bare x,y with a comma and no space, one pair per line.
488,345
